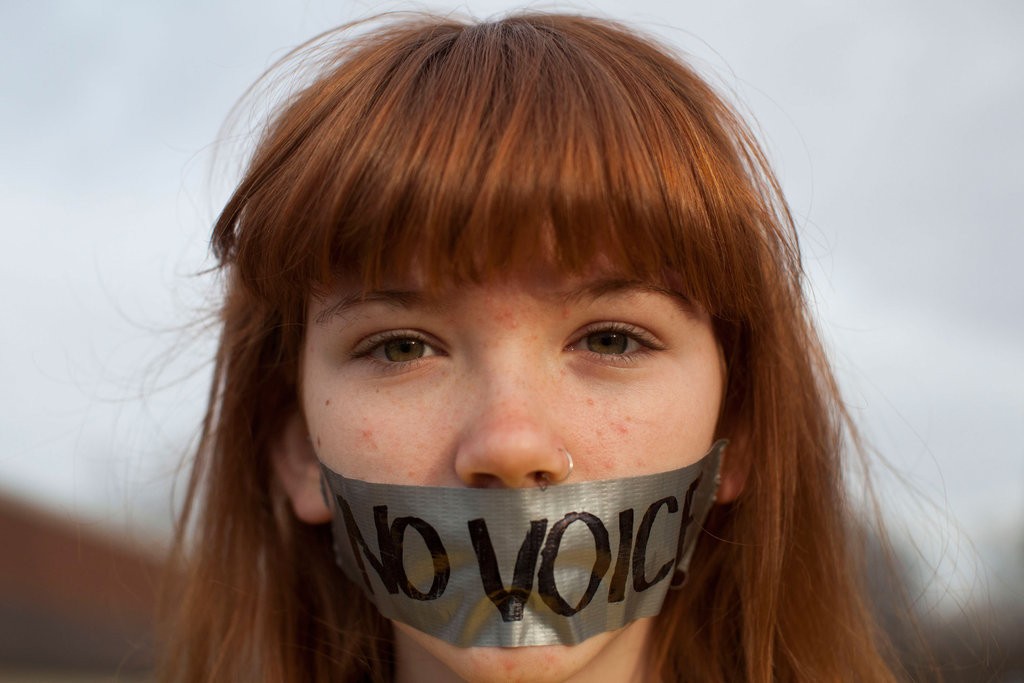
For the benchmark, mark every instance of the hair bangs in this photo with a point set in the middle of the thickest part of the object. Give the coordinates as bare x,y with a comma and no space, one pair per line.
490,149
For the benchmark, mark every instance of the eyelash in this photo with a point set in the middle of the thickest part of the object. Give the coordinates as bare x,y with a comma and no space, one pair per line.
645,341
365,349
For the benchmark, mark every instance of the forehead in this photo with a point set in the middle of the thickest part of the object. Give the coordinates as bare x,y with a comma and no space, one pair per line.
547,285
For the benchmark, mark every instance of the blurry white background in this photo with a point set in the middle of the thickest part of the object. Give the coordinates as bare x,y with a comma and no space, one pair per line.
897,130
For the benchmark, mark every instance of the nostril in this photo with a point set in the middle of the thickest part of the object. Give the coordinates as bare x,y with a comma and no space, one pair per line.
482,480
485,481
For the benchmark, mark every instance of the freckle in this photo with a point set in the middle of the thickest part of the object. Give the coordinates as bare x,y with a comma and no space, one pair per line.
368,437
327,402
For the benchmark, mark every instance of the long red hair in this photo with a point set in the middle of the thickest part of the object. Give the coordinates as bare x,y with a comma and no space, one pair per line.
468,149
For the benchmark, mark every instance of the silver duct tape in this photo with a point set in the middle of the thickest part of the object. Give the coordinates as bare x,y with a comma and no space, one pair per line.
519,567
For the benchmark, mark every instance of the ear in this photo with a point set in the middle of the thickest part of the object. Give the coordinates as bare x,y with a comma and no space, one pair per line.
732,477
296,467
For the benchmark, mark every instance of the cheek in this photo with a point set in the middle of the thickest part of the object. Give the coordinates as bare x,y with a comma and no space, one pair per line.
660,425
377,435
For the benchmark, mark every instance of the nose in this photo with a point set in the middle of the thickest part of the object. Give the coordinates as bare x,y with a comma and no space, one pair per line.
511,441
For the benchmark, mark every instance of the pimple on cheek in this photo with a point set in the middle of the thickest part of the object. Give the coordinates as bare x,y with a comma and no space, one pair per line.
622,427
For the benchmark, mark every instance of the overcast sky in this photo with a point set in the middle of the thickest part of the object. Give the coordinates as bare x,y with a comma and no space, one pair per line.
896,129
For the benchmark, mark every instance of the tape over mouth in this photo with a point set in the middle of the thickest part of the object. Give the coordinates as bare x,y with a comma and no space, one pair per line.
521,567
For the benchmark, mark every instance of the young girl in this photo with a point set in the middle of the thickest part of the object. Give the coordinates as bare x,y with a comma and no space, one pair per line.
494,294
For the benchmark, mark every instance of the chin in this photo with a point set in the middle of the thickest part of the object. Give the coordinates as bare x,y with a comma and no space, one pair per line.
612,656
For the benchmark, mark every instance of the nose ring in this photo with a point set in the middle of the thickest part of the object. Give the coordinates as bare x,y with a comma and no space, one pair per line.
544,479
569,468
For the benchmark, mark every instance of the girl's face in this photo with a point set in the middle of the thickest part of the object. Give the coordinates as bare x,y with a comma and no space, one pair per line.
484,386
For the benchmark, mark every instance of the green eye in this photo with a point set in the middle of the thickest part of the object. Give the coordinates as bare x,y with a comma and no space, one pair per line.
405,349
608,342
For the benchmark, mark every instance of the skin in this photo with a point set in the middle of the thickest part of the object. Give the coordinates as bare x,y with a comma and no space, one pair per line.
484,386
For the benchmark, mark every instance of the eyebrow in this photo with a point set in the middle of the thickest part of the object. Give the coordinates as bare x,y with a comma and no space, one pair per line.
606,286
406,298
397,298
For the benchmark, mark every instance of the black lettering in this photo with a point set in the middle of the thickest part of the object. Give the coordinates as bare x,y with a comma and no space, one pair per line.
509,601
685,525
546,587
385,565
442,566
617,589
643,534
